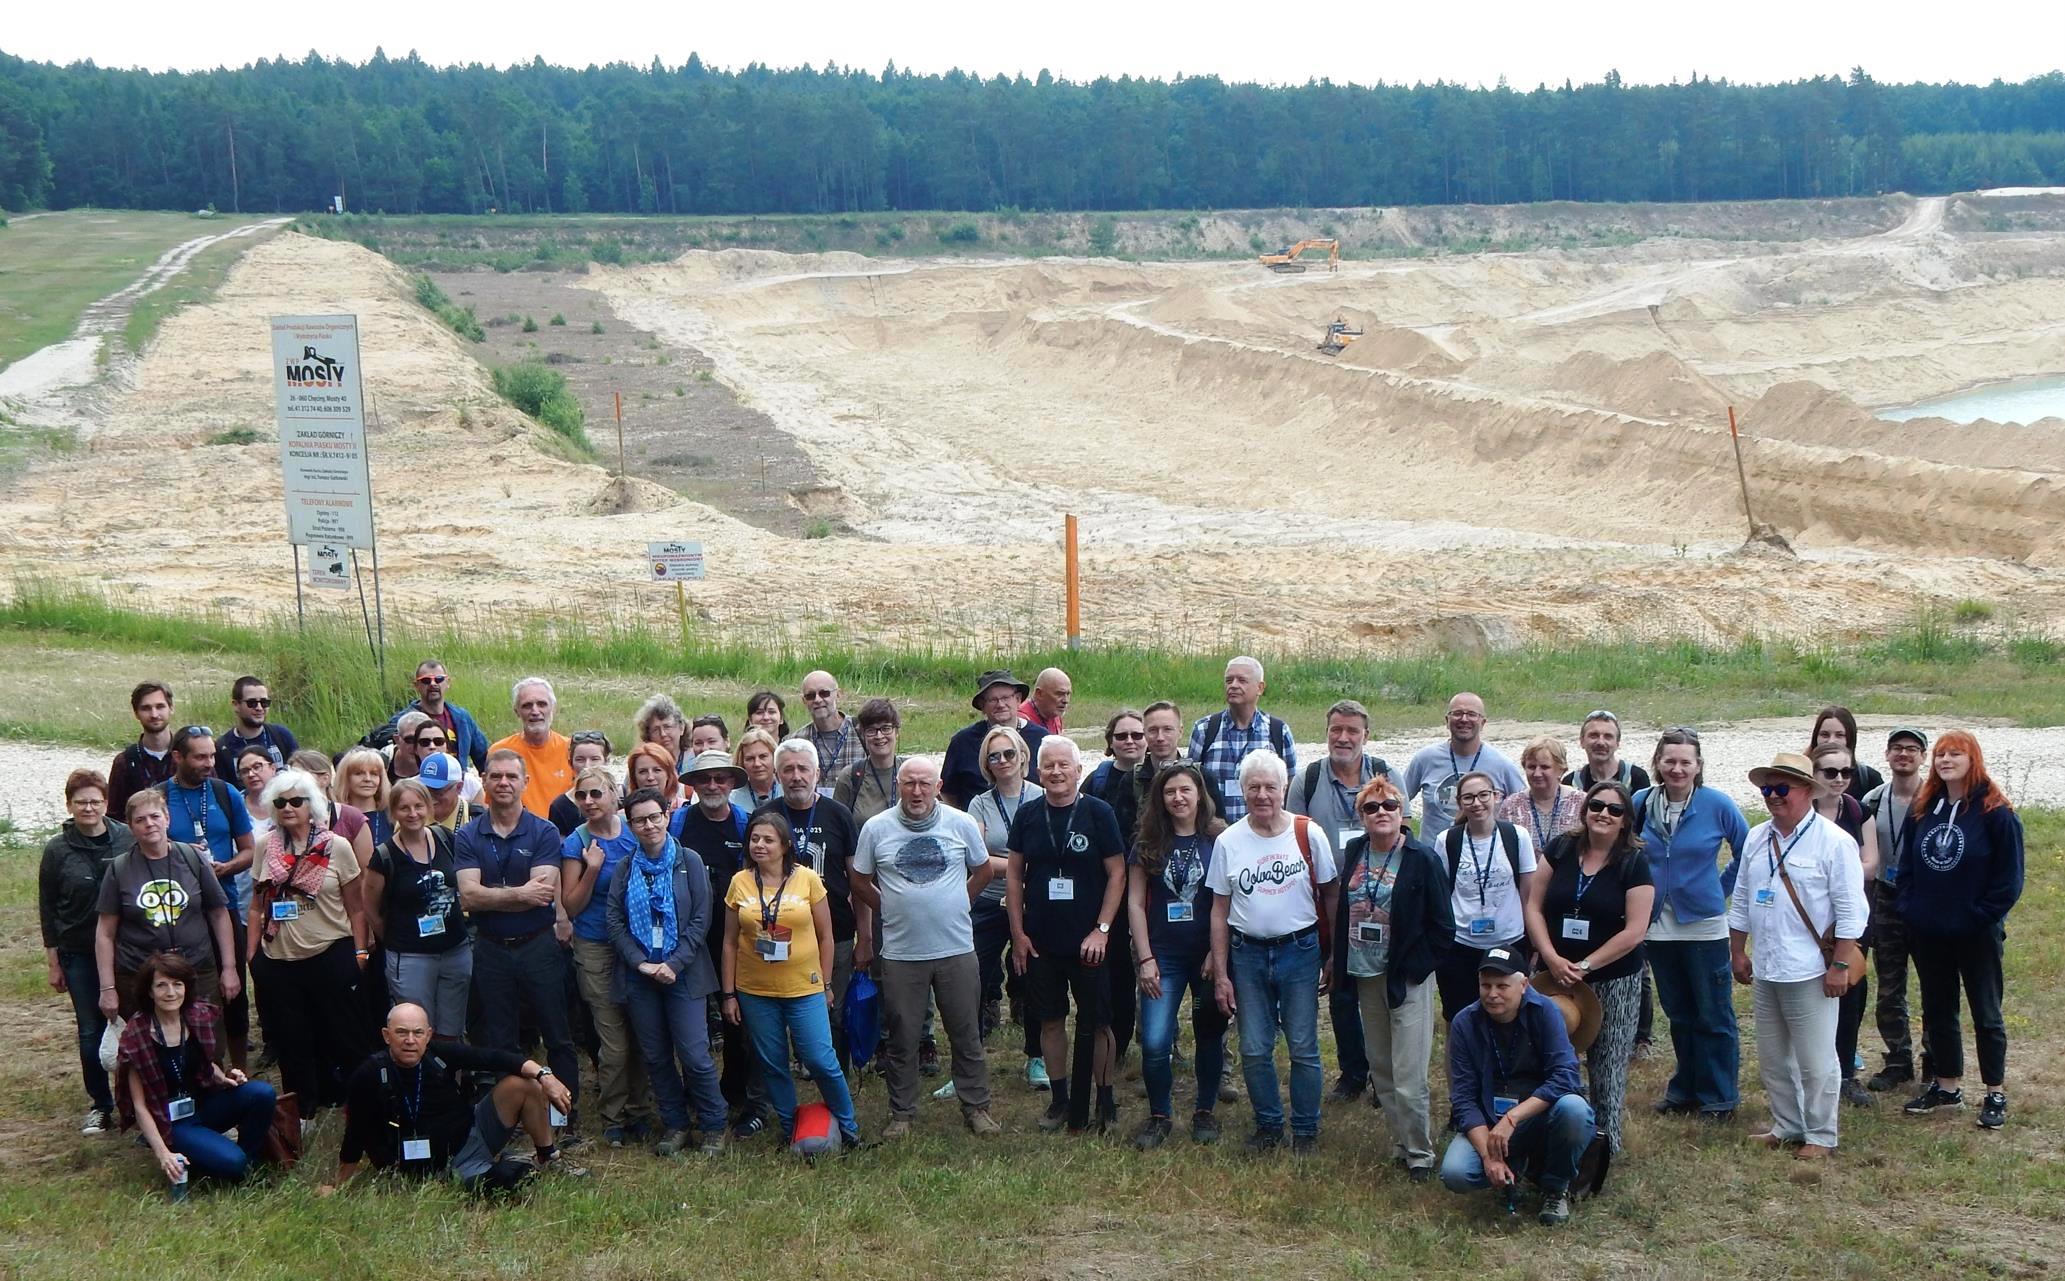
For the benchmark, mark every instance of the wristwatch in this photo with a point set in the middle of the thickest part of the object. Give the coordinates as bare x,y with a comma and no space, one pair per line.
1584,967
1104,927
543,1072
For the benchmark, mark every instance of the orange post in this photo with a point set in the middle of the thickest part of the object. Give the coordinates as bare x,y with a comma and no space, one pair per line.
1075,585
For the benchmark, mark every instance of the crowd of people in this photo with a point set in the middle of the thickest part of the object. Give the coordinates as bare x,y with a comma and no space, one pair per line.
416,915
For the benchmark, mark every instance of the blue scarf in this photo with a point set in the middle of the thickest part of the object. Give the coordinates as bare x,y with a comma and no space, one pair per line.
644,909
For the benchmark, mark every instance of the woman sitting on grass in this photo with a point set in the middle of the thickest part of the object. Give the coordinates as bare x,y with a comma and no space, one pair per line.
173,1087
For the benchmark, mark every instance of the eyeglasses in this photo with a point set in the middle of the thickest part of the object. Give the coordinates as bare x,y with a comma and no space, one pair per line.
258,702
289,802
1129,737
1466,716
1380,807
1472,798
591,794
872,731
1614,808
1779,790
648,820
1831,772
432,680
998,758
1903,747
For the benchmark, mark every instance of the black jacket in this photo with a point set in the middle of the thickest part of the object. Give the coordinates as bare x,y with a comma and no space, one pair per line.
1422,922
68,884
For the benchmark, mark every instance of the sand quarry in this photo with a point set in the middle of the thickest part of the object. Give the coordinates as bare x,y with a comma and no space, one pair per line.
1522,444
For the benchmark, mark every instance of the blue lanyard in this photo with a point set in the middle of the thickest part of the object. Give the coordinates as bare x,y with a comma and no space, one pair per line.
1483,869
201,823
175,1062
414,1110
1373,879
827,764
1191,864
1456,771
1061,848
769,911
1534,816
1777,857
1584,883
800,837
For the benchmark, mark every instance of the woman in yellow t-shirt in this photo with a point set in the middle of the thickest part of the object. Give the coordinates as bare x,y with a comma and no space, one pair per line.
776,927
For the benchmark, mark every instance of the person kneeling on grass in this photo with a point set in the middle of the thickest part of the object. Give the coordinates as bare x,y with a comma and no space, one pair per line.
410,1107
173,1088
1514,1097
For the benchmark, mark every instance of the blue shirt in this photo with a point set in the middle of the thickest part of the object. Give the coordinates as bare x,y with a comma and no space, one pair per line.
211,815
1474,1067
1686,864
505,862
592,922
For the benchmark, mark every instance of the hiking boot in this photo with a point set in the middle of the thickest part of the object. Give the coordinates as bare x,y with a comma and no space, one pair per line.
557,1163
1153,1134
992,1018
1856,1095
928,1058
96,1122
1227,1092
616,1136
1889,1078
1346,1090
1304,1144
1419,1173
1263,1142
672,1144
897,1128
1993,1111
1054,1117
569,1137
1204,1127
1555,1209
712,1144
1934,1097
1036,1074
1673,1107
981,1123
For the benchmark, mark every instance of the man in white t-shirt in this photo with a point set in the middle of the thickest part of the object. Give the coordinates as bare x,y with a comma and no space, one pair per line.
1489,867
920,864
1274,885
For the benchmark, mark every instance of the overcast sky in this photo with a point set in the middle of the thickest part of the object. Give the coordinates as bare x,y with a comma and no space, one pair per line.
1750,40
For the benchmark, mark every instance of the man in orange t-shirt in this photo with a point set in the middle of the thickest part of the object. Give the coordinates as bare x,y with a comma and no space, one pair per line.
547,772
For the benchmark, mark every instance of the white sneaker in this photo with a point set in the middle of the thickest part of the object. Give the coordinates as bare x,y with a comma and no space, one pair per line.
97,1122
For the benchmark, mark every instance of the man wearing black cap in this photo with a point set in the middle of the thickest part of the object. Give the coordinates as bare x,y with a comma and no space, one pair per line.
997,696
1515,1101
1888,807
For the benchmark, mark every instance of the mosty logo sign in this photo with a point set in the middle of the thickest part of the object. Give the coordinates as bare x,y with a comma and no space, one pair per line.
314,370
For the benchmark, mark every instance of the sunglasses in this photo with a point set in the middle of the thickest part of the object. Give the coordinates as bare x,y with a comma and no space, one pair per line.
812,695
258,702
1380,807
1129,737
1831,772
196,731
590,736
998,758
1614,808
289,802
432,680
1602,715
427,741
1779,790
590,794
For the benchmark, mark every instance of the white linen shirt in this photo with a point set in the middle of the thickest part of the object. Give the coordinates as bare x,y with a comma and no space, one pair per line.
1825,868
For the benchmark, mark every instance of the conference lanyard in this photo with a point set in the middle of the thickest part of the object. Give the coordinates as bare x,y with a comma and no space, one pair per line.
800,837
414,1110
1456,771
201,823
1534,816
1186,856
1776,857
769,911
1482,869
1373,878
1068,831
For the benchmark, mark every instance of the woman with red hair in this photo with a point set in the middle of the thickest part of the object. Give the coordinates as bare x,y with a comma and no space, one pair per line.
651,765
1960,873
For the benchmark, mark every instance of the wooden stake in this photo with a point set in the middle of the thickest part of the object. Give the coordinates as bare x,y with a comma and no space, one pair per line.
620,431
1741,474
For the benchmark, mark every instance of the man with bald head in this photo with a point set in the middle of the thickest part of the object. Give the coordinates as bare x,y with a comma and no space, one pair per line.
1050,694
921,864
1221,741
831,731
411,1107
1435,769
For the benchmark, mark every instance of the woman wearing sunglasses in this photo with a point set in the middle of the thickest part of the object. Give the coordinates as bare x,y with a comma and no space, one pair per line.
1004,763
1587,918
1836,768
591,859
1685,825
1394,924
309,941
588,749
412,906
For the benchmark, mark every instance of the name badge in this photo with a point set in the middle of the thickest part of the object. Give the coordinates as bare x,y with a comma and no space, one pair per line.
415,1149
1482,926
1345,835
772,950
1180,913
286,909
1502,1105
1369,932
659,937
429,927
1061,889
1576,927
1766,898
179,1109
827,792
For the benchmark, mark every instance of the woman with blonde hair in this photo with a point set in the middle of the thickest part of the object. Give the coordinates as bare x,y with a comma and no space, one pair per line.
1549,807
755,758
362,784
1007,767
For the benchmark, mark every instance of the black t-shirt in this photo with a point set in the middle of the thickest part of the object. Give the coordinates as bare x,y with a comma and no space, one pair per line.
1068,845
1181,881
721,843
1516,1060
1581,777
384,1104
564,814
825,837
416,890
182,1066
1603,909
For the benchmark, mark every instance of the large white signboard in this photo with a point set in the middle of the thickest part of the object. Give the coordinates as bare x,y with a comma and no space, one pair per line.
321,409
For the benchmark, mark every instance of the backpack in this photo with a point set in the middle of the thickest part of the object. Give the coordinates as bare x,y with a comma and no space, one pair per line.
1509,836
1301,828
379,738
1279,734
1311,783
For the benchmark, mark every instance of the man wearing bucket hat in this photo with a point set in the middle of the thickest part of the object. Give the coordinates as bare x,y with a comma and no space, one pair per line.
997,696
1514,1097
1793,925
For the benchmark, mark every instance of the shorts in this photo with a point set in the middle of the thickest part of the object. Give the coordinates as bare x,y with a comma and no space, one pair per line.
1050,980
484,1142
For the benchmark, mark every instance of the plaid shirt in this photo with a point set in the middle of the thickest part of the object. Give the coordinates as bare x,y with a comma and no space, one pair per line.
139,1056
837,751
1221,761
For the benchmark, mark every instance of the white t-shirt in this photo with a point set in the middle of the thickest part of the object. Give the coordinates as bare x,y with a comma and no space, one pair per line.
923,877
1484,889
1266,879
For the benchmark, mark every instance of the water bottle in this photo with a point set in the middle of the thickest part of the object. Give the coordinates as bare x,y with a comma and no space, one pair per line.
179,1185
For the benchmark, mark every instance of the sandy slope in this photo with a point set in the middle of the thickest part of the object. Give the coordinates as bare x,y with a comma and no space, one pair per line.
1523,444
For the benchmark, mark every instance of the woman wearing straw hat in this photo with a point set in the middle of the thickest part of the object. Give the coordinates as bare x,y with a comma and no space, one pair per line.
1793,927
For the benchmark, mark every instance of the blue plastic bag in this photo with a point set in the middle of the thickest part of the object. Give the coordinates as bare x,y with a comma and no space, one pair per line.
862,1013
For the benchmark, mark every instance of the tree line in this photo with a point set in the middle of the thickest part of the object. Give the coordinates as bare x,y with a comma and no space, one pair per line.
401,136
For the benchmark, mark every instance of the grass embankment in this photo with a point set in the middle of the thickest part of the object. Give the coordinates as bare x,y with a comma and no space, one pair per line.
75,654
1908,1197
196,283
52,268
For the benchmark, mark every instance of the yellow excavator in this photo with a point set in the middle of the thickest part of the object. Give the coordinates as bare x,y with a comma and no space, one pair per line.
1339,333
1287,260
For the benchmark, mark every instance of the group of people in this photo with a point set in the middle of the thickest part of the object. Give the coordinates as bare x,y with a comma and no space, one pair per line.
694,911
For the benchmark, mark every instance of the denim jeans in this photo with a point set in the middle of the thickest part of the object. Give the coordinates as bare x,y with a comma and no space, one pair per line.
1547,1145
1697,992
82,984
1276,987
673,1028
776,1023
1158,1034
203,1139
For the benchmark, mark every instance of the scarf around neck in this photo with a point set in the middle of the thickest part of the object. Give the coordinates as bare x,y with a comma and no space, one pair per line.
649,906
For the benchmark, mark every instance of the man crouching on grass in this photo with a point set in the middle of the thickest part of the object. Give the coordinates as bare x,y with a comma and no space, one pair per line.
409,1107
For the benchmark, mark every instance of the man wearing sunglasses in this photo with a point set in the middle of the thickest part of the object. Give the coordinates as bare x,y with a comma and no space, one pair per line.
468,742
250,702
1801,882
